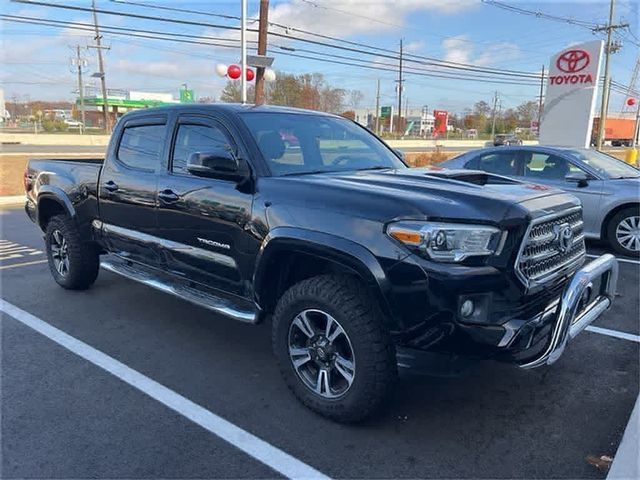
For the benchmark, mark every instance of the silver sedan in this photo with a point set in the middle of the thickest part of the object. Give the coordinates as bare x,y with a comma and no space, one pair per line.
608,188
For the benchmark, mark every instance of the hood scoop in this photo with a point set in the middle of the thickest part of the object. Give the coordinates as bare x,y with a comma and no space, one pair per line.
474,177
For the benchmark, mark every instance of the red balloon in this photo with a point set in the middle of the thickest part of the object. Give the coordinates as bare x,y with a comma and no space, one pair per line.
234,72
250,75
631,102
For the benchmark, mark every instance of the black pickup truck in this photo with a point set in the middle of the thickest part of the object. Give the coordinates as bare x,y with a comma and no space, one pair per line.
364,265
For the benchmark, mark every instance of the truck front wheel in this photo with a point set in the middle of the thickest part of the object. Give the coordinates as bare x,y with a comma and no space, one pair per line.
74,264
332,348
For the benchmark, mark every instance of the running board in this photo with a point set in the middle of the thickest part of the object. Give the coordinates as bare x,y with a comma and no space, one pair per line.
238,310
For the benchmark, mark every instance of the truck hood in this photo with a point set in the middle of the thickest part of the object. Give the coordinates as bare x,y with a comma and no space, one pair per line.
418,192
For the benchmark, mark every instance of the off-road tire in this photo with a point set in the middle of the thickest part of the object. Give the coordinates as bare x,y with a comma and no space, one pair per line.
83,257
613,225
345,299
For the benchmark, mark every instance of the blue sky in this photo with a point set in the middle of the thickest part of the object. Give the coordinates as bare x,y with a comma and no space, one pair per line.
35,59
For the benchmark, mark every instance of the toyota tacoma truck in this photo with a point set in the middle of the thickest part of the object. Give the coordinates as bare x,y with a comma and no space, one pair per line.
363,265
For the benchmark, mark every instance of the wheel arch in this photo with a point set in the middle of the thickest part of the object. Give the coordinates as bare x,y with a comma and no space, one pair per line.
612,213
289,255
53,201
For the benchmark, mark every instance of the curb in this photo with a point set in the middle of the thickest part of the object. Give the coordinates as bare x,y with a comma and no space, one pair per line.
12,200
626,463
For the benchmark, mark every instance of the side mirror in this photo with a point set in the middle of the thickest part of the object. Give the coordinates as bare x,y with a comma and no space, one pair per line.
216,163
578,177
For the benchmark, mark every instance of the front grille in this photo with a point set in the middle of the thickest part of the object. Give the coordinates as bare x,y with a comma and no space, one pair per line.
544,255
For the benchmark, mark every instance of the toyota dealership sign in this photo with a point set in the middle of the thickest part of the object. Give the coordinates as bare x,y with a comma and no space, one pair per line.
572,88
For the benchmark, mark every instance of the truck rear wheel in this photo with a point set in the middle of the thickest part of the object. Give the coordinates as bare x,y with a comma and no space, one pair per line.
623,232
332,348
74,264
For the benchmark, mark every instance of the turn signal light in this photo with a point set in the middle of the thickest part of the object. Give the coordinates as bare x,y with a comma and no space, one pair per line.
406,237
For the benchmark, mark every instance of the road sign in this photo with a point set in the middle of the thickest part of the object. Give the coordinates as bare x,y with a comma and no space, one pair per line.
187,96
385,112
572,88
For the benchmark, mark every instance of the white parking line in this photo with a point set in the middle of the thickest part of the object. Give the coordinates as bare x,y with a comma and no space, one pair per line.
614,333
623,260
257,448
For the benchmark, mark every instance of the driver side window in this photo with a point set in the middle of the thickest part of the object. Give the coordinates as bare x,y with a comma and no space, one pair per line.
195,138
548,167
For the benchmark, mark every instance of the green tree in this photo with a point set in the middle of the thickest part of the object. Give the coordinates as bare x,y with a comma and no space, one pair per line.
527,112
232,92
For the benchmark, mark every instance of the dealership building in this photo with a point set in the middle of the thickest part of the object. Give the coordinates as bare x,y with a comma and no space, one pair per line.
120,102
420,121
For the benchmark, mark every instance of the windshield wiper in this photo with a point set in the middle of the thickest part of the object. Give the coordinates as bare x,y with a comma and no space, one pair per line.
310,172
377,167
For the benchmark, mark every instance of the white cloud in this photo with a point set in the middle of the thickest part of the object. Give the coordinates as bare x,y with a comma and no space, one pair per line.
413,47
348,18
461,49
457,49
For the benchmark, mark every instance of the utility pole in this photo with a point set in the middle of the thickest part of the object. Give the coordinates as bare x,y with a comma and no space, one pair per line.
263,29
636,130
80,64
378,107
540,97
610,48
493,115
399,125
103,84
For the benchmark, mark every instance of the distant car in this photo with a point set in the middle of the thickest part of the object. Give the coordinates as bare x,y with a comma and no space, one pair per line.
506,139
608,188
70,123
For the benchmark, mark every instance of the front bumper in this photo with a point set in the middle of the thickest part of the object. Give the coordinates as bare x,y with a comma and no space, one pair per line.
571,315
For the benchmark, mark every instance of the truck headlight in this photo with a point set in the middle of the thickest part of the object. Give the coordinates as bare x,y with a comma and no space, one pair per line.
448,242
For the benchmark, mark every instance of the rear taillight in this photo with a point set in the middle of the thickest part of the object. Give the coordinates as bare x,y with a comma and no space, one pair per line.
26,180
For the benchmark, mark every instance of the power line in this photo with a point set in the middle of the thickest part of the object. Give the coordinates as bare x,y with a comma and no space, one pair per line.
439,63
540,14
156,35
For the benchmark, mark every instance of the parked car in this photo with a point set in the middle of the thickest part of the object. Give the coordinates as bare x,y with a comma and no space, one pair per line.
608,188
506,139
364,265
73,124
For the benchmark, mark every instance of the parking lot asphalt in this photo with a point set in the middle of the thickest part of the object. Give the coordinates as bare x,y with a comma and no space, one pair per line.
64,417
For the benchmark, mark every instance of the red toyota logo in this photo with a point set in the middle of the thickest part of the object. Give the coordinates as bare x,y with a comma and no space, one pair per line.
573,61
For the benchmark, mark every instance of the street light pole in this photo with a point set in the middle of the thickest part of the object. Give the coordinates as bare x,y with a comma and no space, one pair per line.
243,50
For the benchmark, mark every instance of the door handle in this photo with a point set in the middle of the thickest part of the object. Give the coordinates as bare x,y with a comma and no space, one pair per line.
168,196
111,186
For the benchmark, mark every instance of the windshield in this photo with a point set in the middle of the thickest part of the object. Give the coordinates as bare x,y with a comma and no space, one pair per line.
299,143
604,164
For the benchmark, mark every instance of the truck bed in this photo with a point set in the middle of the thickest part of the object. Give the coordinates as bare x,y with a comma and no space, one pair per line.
72,178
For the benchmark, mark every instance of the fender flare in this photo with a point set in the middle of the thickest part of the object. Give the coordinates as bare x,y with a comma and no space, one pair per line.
49,192
329,247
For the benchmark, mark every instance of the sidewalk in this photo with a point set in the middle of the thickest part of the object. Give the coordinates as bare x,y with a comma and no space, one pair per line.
12,200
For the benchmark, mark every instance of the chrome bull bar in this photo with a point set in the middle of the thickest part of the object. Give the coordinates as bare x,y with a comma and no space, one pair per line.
569,322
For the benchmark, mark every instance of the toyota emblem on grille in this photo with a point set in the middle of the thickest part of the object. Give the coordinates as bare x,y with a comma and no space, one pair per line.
564,237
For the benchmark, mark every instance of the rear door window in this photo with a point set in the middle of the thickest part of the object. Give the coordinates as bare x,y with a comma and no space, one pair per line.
141,146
